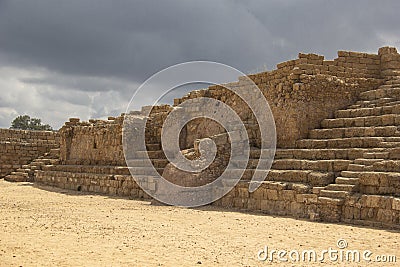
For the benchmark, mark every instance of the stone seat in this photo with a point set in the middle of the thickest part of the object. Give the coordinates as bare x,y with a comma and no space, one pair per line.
335,165
310,177
367,121
307,177
324,153
156,154
379,131
372,111
353,142
381,102
393,91
157,163
153,147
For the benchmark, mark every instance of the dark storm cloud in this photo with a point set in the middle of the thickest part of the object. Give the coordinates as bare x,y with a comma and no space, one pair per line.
133,39
130,39
95,50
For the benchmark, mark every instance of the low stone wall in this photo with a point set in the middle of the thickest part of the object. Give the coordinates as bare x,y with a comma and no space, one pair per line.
109,184
19,147
300,201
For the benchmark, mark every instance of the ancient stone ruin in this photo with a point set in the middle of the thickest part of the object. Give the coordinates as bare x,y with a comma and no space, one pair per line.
337,156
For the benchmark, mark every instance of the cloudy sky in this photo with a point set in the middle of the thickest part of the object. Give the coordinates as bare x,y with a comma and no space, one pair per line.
85,58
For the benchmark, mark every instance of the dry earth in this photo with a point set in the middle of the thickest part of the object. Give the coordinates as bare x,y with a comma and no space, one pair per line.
43,226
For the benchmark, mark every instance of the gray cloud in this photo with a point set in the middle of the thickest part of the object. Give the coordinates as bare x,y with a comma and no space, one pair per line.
89,56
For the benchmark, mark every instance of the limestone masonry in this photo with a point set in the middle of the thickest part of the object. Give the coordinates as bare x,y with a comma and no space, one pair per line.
338,144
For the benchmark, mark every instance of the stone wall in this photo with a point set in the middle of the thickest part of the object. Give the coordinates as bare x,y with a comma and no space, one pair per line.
117,182
92,143
19,147
301,201
99,142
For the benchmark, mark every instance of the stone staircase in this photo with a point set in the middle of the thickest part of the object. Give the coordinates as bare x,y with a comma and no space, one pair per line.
373,122
360,145
27,171
20,147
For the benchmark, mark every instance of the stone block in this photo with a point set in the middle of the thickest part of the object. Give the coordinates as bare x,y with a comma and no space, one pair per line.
271,194
396,204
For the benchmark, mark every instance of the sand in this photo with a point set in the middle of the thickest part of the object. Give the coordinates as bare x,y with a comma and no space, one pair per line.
44,226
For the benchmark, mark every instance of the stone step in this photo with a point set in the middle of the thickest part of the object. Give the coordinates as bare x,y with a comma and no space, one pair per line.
356,167
153,147
390,144
389,86
157,154
376,155
303,176
256,152
20,173
251,163
346,180
380,131
367,104
324,154
335,165
366,162
367,112
247,174
342,187
331,201
393,81
355,142
25,171
381,92
351,174
44,161
54,151
334,194
368,121
374,103
158,163
145,170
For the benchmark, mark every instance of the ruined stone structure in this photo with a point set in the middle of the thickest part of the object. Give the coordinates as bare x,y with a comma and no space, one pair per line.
21,147
338,147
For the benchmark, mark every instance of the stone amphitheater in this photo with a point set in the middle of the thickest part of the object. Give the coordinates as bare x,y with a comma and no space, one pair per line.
338,144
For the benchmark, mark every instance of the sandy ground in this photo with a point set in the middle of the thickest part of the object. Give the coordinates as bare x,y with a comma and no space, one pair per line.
43,226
